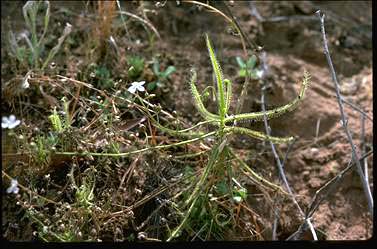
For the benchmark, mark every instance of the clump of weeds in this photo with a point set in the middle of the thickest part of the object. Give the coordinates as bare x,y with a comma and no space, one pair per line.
208,209
33,55
162,75
248,68
96,161
136,67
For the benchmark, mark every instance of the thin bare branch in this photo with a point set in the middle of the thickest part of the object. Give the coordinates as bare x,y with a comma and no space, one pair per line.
366,188
123,12
281,170
363,149
355,107
322,193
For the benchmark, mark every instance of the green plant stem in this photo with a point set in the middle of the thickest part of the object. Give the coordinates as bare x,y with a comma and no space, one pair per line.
136,151
191,155
257,134
257,178
179,228
213,158
259,116
195,194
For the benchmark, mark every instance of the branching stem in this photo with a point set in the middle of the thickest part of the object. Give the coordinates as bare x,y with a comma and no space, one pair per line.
355,158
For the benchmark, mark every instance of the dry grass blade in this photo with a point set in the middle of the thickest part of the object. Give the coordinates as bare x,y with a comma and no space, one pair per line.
150,25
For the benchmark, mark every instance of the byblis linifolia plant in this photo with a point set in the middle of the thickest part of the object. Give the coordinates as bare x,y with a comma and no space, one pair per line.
226,123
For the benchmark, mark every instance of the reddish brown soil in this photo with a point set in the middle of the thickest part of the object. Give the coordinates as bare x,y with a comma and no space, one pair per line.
291,46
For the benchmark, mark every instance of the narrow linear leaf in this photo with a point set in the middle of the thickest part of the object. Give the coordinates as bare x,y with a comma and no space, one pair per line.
46,21
169,70
67,30
198,102
258,116
258,135
228,85
219,78
240,62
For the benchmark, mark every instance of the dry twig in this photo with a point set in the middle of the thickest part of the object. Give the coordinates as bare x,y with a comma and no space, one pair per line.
355,158
322,193
281,170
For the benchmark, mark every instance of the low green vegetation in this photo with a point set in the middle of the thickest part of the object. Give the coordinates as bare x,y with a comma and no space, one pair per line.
247,68
162,76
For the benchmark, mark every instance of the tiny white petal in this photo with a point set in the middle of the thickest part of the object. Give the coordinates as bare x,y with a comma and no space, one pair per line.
12,118
141,89
132,89
25,84
14,182
16,190
14,124
10,190
140,83
259,73
237,199
5,122
13,187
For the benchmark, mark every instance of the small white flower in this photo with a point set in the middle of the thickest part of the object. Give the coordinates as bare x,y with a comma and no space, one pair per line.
13,187
259,73
10,122
237,199
137,86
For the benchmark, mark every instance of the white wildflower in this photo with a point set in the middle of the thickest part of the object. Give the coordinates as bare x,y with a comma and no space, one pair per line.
237,199
9,122
259,73
13,187
137,86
